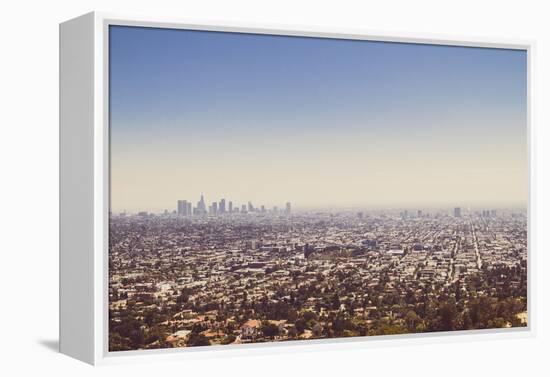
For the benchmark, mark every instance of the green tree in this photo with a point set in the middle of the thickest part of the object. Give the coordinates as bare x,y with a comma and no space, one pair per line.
270,330
197,340
412,320
300,325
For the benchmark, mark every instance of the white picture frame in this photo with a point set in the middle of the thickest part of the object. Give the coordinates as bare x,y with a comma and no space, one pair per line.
84,190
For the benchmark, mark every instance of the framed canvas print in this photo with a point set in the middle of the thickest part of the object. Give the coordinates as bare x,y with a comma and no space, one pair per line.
229,188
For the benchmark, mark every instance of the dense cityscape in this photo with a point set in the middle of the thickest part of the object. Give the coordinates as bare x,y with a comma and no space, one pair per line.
224,274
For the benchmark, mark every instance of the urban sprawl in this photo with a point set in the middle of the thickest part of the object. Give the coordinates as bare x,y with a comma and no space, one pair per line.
224,274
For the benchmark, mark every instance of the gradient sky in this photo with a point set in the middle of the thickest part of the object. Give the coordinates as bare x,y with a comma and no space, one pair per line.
318,122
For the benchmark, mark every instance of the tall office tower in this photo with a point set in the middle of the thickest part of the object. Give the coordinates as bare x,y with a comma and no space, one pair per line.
184,208
230,207
262,209
250,207
457,212
243,208
201,205
189,209
288,208
419,213
180,207
214,208
222,206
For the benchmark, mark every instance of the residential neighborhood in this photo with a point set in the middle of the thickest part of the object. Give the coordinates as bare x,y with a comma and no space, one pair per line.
259,276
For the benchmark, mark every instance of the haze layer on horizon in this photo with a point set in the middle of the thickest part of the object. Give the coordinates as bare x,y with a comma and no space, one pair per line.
317,122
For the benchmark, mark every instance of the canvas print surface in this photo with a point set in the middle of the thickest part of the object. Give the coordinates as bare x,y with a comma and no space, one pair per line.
272,188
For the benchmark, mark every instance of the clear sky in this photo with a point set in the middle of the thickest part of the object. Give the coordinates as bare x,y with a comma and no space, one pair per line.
318,122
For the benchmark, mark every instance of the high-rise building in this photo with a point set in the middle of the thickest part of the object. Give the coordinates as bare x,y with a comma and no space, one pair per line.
262,209
184,208
230,207
214,208
250,207
243,208
180,207
288,208
203,203
457,212
201,206
222,206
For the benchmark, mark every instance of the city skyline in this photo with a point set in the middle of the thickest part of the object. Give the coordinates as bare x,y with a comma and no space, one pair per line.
313,121
186,207
436,207
189,207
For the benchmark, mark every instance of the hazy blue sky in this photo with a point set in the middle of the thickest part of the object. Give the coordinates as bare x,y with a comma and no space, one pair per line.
318,122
